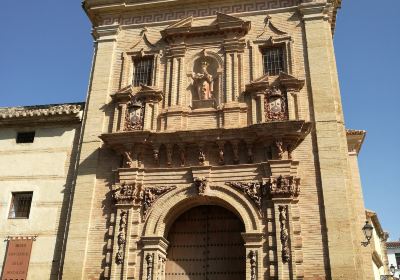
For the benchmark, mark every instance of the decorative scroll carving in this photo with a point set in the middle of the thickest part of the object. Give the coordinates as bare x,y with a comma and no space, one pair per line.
149,260
151,194
134,118
122,236
275,105
253,265
139,195
252,189
284,233
201,185
283,186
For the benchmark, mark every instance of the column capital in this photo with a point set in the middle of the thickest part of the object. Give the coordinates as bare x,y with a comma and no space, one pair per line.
106,33
311,10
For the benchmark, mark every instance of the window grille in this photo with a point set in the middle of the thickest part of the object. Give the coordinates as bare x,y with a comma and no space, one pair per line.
143,70
25,137
273,61
20,205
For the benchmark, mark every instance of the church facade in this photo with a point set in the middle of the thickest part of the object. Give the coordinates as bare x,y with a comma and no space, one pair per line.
214,146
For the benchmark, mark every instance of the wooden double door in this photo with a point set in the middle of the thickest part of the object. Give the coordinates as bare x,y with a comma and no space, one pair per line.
206,244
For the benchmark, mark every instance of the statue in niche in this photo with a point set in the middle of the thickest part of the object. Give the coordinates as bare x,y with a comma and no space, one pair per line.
203,82
275,104
134,115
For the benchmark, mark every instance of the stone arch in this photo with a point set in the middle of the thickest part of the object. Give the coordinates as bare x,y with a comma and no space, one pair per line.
173,204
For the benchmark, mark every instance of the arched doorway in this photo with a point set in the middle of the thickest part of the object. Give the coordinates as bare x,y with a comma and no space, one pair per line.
205,243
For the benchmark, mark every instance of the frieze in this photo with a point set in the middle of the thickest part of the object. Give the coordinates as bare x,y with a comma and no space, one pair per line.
199,11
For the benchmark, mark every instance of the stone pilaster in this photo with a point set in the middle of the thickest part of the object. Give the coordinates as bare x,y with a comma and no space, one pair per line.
100,89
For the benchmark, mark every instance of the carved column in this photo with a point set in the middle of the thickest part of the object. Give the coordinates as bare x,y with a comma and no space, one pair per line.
174,81
154,257
254,262
181,81
235,78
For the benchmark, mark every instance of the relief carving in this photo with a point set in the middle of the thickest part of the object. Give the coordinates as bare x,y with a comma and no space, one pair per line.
121,236
201,185
128,159
275,105
151,194
149,260
134,118
251,189
138,195
253,265
283,186
284,233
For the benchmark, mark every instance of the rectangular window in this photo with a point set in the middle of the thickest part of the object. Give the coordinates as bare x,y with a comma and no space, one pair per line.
25,137
273,61
20,205
143,70
397,255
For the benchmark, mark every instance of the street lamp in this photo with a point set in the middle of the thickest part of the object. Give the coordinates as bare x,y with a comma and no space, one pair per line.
367,229
392,269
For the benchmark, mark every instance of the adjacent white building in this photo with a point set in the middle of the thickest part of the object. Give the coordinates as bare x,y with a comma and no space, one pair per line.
393,252
38,148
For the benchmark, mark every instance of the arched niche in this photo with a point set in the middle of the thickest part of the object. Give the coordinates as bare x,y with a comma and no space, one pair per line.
205,79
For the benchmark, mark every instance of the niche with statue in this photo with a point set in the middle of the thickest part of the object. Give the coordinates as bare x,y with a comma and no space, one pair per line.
205,82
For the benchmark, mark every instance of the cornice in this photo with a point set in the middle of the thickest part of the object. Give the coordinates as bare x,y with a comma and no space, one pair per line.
355,139
42,113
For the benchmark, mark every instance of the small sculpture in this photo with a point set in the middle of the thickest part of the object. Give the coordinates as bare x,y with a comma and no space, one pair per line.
203,82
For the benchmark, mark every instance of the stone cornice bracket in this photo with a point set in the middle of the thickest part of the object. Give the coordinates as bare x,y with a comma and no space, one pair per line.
312,10
106,33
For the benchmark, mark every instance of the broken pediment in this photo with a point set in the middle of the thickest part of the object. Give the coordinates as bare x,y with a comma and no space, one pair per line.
290,82
123,95
270,30
143,41
149,94
222,24
258,85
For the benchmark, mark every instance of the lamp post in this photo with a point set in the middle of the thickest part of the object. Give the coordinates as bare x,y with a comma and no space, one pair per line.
367,229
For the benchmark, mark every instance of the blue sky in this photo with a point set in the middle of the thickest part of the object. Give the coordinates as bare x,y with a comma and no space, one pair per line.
46,51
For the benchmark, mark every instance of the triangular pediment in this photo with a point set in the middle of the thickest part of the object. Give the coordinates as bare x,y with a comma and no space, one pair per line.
149,93
258,85
186,22
290,82
264,78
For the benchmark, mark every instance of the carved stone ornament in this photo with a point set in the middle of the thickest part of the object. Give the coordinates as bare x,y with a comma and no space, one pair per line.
201,185
151,194
253,265
283,186
137,195
284,233
251,189
125,194
161,267
275,105
149,261
134,118
121,236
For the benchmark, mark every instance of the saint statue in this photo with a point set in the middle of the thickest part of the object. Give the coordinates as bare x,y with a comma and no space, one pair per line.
203,82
